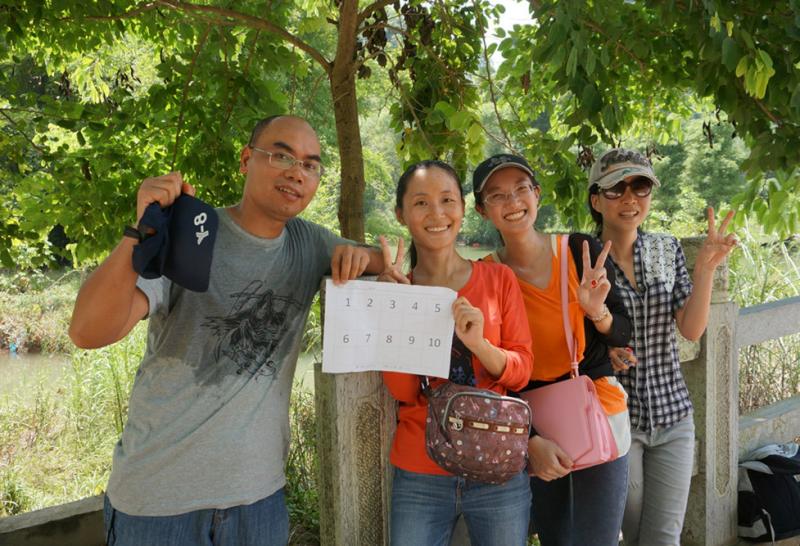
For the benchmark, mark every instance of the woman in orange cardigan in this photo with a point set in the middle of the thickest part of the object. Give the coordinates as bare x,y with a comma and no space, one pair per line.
491,350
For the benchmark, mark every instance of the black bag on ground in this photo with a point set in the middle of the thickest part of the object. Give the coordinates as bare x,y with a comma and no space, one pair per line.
769,493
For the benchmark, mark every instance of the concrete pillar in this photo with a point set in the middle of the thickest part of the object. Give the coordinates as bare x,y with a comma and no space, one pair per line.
356,419
356,423
713,383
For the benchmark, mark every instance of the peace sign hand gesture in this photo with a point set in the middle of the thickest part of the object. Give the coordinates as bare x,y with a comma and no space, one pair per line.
717,245
594,285
392,270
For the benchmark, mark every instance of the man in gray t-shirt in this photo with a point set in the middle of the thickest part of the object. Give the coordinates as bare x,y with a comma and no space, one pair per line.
207,434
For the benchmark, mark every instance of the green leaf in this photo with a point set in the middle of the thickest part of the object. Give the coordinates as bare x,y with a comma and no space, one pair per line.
459,121
444,108
715,23
66,123
642,49
741,67
766,60
748,40
558,58
591,61
591,99
475,133
572,62
605,58
730,54
795,100
609,117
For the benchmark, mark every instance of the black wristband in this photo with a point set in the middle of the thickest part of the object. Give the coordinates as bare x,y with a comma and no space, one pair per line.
133,233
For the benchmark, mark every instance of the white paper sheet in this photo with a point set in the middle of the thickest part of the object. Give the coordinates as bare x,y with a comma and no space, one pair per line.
385,326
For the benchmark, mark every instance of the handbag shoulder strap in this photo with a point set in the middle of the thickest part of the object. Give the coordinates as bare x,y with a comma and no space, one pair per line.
564,274
425,385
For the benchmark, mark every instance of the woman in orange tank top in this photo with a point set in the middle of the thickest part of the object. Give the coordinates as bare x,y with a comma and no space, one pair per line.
569,507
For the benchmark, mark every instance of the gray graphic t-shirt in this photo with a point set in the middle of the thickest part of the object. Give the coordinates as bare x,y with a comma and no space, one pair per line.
208,422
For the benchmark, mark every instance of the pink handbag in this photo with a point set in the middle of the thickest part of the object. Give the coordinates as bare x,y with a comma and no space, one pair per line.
568,412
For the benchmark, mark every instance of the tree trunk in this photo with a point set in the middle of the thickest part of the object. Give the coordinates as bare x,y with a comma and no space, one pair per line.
345,110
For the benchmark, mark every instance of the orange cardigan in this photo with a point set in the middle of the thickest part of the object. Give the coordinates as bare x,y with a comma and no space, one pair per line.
494,289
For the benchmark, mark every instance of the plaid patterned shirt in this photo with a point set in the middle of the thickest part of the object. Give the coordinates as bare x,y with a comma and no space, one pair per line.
657,393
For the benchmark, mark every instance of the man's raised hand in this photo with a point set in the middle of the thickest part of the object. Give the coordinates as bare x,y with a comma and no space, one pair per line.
163,189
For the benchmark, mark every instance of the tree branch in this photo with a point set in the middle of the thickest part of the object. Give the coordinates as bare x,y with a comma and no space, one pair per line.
242,18
314,89
413,111
375,6
598,29
427,49
245,70
189,77
488,64
507,144
20,131
252,22
294,88
770,115
135,12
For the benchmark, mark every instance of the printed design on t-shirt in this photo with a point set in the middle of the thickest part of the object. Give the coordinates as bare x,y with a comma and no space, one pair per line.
251,331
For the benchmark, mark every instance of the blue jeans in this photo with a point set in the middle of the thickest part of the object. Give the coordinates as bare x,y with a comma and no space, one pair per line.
588,515
425,509
263,523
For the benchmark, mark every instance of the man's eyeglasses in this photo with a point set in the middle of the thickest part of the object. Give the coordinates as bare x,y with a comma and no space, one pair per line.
500,198
282,160
640,187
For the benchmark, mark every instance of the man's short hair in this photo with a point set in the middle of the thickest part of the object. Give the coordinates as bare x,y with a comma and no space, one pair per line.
260,126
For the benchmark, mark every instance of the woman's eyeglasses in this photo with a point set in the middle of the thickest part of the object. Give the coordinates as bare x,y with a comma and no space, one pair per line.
640,187
500,198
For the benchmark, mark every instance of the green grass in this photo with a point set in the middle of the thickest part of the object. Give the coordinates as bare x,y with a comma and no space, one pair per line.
56,436
35,308
762,272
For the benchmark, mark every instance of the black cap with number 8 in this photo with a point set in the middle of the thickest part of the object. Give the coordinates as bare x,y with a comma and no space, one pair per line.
182,245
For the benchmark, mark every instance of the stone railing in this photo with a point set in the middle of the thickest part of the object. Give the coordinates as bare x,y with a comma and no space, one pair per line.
712,374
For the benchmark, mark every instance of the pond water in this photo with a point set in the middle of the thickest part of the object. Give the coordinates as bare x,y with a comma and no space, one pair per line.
474,252
23,370
304,374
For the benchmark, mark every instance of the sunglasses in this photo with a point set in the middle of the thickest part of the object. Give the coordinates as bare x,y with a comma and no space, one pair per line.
640,187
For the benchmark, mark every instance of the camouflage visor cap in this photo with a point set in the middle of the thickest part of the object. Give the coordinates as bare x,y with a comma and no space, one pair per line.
617,164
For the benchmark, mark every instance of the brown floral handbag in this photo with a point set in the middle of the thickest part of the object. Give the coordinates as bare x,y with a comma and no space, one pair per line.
476,433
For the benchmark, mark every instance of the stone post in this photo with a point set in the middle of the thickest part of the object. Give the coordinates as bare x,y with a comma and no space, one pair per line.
713,383
355,425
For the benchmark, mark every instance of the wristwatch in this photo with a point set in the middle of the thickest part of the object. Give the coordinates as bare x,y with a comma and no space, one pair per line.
134,233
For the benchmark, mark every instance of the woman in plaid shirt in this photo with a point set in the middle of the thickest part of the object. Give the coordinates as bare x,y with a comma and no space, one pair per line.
660,296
